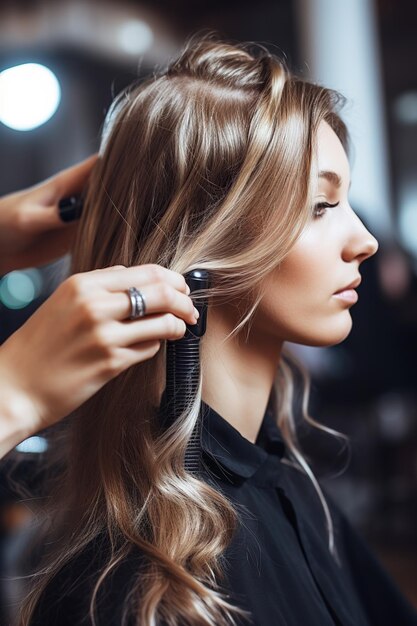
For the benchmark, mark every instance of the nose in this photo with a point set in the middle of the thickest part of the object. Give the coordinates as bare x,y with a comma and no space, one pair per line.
361,243
370,245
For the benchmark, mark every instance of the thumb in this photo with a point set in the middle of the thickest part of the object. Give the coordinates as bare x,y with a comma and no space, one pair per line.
68,182
72,180
44,199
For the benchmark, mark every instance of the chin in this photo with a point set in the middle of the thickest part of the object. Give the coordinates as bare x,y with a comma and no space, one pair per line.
337,336
325,337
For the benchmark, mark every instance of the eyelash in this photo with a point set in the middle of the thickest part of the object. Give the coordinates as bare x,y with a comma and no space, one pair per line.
323,205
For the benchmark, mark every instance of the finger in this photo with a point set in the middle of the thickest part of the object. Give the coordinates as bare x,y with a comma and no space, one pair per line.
139,276
137,353
159,298
43,219
72,180
111,267
157,327
100,270
69,182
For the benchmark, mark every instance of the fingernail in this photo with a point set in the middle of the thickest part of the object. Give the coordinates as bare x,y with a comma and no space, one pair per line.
70,208
196,313
187,289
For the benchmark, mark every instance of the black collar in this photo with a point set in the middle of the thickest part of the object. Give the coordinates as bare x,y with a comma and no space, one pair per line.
221,441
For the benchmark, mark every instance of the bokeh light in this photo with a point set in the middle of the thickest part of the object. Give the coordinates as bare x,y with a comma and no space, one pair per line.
33,445
20,288
29,96
408,220
135,37
405,107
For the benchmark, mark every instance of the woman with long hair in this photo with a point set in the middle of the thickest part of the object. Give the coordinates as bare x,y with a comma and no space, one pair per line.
225,162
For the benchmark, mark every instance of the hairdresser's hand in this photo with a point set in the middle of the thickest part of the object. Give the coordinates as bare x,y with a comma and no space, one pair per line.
82,337
31,231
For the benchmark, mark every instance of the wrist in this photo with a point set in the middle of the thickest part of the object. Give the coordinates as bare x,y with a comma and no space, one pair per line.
15,421
18,414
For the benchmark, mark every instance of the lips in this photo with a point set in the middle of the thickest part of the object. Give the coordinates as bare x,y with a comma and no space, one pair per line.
351,285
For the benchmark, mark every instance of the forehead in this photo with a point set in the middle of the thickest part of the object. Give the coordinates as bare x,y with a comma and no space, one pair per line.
331,155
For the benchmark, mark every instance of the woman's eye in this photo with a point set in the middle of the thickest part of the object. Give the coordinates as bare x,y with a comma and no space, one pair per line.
322,206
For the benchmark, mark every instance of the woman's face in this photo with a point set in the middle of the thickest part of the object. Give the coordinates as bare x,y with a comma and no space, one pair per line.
299,304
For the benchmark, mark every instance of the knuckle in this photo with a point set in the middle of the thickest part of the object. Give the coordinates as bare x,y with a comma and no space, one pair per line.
101,341
88,310
76,285
157,346
156,273
22,219
148,352
166,294
111,267
171,324
154,347
111,366
176,326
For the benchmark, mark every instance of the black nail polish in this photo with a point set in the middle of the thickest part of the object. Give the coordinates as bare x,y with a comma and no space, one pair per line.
70,208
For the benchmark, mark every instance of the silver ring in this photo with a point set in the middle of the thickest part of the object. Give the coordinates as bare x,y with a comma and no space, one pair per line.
137,303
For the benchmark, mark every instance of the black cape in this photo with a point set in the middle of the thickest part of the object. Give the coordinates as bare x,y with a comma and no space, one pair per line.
278,565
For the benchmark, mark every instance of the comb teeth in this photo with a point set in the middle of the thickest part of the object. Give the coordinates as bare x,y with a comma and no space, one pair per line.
193,451
183,371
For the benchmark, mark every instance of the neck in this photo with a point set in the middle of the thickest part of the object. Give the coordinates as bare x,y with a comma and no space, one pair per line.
238,375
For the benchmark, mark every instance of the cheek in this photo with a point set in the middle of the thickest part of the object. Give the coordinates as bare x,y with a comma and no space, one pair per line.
299,284
298,304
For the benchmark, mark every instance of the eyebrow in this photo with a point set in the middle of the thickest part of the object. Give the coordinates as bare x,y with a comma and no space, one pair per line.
333,178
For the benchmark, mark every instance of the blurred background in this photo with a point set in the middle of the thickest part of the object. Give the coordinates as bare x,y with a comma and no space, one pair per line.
51,115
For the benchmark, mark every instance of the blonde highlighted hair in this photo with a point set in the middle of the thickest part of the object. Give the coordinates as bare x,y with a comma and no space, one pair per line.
211,164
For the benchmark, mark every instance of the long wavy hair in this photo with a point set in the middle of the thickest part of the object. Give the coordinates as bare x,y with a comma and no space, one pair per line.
209,164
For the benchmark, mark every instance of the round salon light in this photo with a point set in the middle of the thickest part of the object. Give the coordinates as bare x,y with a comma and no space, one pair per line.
135,37
29,96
